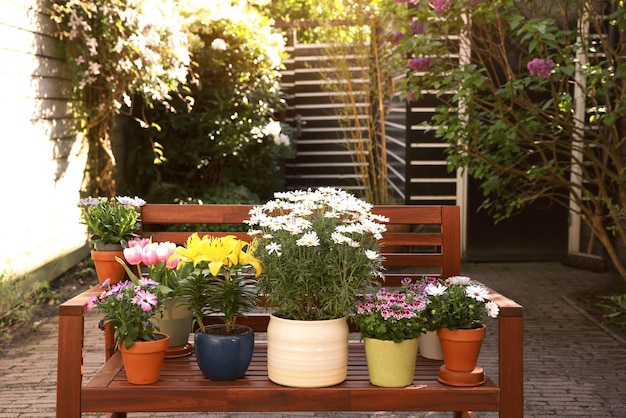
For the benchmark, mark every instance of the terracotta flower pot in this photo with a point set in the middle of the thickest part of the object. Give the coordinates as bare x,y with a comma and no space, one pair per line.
144,359
107,267
461,347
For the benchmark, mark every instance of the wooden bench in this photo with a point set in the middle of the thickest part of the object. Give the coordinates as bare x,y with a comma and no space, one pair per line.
429,245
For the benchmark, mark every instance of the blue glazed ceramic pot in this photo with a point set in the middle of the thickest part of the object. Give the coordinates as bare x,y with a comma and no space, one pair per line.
223,357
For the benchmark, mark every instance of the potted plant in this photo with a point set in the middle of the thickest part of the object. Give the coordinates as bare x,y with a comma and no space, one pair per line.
460,306
111,223
220,284
391,323
319,251
129,308
175,318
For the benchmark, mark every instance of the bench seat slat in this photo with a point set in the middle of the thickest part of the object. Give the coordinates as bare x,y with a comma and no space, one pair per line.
181,377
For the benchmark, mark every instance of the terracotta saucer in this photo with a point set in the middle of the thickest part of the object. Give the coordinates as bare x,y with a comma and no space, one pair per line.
179,351
449,377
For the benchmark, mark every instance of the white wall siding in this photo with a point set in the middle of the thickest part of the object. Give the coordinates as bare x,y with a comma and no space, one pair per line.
41,159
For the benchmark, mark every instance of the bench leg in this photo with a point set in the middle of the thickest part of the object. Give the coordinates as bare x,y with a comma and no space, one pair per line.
464,414
69,366
511,343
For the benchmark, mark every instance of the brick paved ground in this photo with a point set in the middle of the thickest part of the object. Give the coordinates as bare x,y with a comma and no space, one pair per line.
573,366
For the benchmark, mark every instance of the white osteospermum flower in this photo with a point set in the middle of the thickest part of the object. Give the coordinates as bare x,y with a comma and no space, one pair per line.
302,223
462,280
274,247
338,238
293,228
371,255
492,309
310,239
435,289
477,292
353,243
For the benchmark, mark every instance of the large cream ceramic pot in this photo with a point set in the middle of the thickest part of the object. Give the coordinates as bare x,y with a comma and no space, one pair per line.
307,353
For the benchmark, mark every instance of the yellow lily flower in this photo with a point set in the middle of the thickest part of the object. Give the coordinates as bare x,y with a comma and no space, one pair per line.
224,252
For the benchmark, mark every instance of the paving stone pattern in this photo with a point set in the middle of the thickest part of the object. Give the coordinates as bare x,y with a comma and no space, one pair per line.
573,366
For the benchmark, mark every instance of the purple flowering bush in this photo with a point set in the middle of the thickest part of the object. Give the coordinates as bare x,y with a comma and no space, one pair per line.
394,316
129,308
531,100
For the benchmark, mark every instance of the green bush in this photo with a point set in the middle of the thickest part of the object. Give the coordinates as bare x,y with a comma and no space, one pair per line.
230,135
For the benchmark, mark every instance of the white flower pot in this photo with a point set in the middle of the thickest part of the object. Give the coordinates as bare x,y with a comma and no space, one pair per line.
307,353
429,346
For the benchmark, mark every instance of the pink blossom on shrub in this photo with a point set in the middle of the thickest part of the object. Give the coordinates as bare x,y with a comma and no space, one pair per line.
540,67
420,64
440,5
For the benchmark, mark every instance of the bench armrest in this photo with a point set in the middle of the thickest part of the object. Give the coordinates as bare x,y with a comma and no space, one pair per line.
510,355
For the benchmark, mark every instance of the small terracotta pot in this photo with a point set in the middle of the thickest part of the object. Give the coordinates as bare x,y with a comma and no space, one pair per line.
107,267
144,359
461,347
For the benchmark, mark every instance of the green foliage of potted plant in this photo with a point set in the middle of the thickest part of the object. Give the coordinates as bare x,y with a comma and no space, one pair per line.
458,303
218,285
392,315
319,251
391,323
111,220
129,307
458,307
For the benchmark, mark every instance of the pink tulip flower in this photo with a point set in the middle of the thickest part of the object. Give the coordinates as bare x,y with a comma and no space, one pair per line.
149,254
133,255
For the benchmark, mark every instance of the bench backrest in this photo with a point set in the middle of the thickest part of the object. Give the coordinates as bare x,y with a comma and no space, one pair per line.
421,240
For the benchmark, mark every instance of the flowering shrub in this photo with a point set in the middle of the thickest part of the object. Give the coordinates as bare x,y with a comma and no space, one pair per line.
217,283
124,47
116,50
458,303
129,307
531,97
233,127
395,316
318,249
111,220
